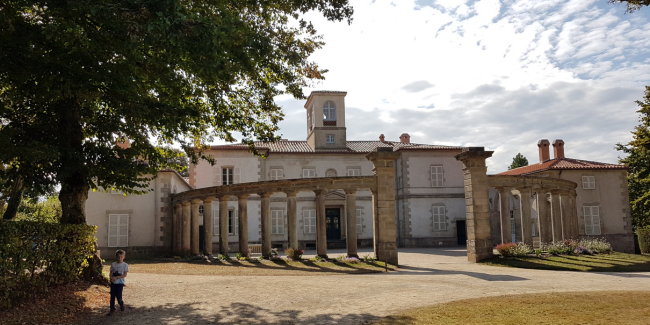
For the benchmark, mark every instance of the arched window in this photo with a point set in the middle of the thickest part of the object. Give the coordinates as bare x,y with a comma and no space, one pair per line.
329,114
331,173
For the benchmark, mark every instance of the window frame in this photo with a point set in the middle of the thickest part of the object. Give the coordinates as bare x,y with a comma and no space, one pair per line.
308,226
588,182
119,218
329,111
442,218
590,223
279,174
309,172
227,175
329,139
354,171
359,224
277,222
437,178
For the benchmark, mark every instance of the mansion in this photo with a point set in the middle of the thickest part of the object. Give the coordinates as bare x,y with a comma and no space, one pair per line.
429,195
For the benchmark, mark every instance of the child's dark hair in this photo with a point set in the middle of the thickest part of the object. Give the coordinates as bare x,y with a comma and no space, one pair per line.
119,252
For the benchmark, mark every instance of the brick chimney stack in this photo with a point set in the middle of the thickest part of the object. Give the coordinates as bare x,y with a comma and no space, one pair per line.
543,150
558,148
381,138
405,138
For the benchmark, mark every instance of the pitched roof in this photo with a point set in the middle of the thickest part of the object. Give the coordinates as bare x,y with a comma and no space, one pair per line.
561,164
352,147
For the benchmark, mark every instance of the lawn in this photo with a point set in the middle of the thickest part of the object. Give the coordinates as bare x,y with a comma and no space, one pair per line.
247,268
599,307
614,262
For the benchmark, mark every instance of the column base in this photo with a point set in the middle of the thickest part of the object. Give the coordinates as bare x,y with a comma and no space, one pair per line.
479,249
352,255
387,252
322,256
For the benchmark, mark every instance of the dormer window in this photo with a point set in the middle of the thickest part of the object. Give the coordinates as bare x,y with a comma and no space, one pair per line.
329,114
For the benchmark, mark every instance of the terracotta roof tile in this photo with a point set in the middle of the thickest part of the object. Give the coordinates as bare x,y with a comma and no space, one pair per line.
352,147
561,164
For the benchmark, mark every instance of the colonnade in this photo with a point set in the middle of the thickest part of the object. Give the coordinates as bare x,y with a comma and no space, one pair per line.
556,221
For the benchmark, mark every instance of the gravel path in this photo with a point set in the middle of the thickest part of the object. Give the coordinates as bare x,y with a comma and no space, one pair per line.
426,277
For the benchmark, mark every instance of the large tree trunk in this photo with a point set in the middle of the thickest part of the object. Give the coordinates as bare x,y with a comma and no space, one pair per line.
73,173
15,197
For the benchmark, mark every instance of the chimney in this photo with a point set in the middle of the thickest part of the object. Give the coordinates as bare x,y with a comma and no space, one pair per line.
543,150
381,138
405,138
558,148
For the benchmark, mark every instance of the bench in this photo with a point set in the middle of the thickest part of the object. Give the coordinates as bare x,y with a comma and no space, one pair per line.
254,249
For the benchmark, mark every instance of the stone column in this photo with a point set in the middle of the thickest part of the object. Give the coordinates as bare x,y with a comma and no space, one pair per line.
207,226
242,205
544,218
516,217
384,215
506,226
479,243
321,232
178,227
187,229
573,215
292,219
525,213
194,244
265,215
351,214
223,225
556,215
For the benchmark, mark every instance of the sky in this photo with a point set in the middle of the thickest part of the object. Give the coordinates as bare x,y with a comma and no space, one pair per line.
495,74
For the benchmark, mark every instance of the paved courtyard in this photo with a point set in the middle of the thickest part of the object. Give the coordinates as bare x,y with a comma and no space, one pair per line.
426,276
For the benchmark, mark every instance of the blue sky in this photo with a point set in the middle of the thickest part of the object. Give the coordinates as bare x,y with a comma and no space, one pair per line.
498,74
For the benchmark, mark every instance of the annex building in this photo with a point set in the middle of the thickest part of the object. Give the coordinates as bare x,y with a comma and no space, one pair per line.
319,193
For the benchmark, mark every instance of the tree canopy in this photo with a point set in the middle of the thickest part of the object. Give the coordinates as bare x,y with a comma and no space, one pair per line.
77,76
638,161
518,161
632,5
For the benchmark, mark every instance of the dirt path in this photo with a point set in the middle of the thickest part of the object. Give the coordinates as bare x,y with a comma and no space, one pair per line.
426,276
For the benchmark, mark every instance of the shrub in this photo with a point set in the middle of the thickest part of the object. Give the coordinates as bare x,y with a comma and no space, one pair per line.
241,257
599,245
35,255
368,258
317,259
521,249
561,247
352,260
294,254
340,258
644,239
506,249
582,250
223,257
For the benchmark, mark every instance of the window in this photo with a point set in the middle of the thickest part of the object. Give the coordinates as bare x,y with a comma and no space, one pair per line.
354,172
589,182
329,114
201,209
359,222
436,176
310,118
230,175
308,172
233,222
309,221
439,220
276,174
118,230
277,222
331,173
592,220
329,138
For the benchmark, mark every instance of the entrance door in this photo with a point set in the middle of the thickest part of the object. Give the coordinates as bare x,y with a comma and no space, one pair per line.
461,232
201,239
333,224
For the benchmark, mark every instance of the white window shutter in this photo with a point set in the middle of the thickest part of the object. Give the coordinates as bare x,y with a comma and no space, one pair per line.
236,216
588,220
124,231
237,175
112,230
305,221
595,214
585,182
359,222
218,174
215,221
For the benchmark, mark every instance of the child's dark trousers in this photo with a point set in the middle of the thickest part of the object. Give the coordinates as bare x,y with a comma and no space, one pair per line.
116,292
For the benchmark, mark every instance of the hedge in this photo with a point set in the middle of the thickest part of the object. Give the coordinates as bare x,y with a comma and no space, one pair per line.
34,256
644,240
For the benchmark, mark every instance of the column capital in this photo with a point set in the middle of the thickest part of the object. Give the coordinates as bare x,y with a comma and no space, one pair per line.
209,199
265,194
320,192
186,203
177,205
196,201
243,196
291,193
525,190
224,197
503,189
350,191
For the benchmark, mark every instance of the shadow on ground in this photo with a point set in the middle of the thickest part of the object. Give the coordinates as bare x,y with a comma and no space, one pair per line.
235,313
615,262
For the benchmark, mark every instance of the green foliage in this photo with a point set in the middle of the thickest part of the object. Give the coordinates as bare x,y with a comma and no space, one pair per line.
36,210
340,258
598,245
35,255
505,249
521,250
632,5
76,77
518,161
294,254
644,239
638,161
223,257
368,258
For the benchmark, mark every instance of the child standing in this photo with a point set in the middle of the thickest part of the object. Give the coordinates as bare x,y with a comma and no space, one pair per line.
119,270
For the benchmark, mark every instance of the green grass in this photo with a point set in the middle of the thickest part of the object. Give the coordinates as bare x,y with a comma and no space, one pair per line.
614,262
599,307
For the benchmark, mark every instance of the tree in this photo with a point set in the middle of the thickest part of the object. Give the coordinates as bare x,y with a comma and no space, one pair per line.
77,76
518,161
638,161
632,5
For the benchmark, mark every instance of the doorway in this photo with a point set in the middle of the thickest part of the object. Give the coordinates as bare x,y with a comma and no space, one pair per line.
461,232
333,224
